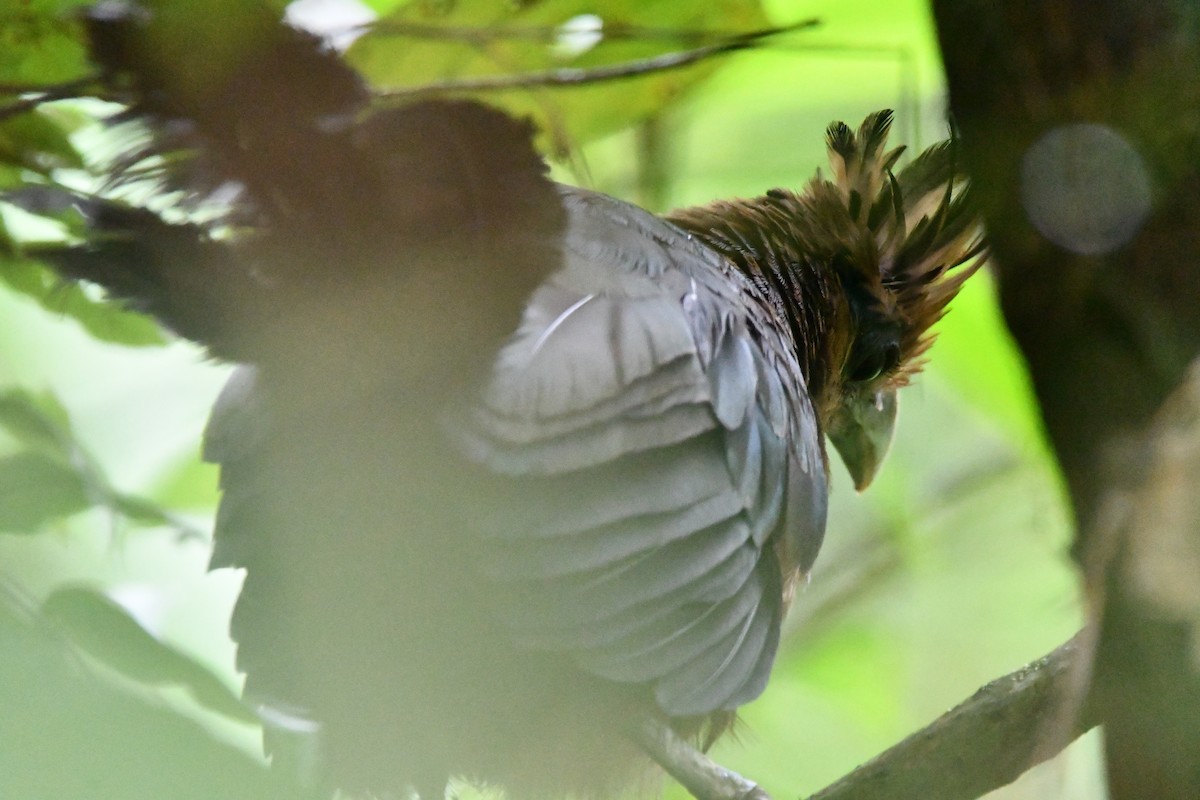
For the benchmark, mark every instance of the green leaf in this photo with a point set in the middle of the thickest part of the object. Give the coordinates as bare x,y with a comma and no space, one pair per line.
69,733
41,42
36,488
56,476
192,484
382,7
507,38
106,631
105,321
37,420
10,176
141,510
147,512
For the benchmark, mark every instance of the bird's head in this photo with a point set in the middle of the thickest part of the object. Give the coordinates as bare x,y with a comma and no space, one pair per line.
858,266
901,245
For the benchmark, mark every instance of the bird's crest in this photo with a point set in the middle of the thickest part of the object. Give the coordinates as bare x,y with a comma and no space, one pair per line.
912,235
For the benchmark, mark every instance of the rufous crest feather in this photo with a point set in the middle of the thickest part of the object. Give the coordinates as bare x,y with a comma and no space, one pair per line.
925,237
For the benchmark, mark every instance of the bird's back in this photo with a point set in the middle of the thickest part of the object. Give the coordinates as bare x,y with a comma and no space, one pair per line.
497,582
510,466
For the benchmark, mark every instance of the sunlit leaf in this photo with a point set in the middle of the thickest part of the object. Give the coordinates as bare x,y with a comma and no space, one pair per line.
41,42
481,37
190,485
383,6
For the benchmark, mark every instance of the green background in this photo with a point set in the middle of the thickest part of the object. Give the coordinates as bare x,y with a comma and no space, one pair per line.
950,571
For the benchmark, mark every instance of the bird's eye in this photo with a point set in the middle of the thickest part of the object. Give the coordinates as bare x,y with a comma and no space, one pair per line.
875,362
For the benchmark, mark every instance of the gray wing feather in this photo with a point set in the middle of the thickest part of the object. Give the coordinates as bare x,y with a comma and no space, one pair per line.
634,486
730,673
658,649
647,448
733,380
715,562
234,433
545,557
236,427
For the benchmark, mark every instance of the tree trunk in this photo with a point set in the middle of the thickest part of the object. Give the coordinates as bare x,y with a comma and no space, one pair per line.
1080,124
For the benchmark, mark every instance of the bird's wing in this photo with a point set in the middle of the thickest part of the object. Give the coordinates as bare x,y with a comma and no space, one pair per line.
652,457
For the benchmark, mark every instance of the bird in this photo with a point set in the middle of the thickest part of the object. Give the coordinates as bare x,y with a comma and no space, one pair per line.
511,466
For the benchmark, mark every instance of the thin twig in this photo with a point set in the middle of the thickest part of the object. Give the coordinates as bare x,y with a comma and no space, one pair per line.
701,776
576,76
542,33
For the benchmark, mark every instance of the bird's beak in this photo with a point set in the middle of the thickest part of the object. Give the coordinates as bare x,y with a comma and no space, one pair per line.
862,432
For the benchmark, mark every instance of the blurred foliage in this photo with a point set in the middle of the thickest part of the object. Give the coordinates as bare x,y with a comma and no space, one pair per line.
105,630
38,141
119,744
53,475
422,42
950,571
38,147
40,42
105,321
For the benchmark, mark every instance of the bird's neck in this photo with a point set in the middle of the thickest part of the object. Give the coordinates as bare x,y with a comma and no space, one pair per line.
766,240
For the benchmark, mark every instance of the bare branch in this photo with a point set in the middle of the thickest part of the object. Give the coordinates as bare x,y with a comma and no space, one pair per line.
984,743
481,34
584,75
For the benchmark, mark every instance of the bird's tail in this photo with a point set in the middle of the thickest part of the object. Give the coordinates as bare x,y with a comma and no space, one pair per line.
174,272
226,93
286,184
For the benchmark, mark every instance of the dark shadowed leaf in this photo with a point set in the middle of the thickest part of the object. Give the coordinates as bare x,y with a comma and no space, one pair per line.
35,141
